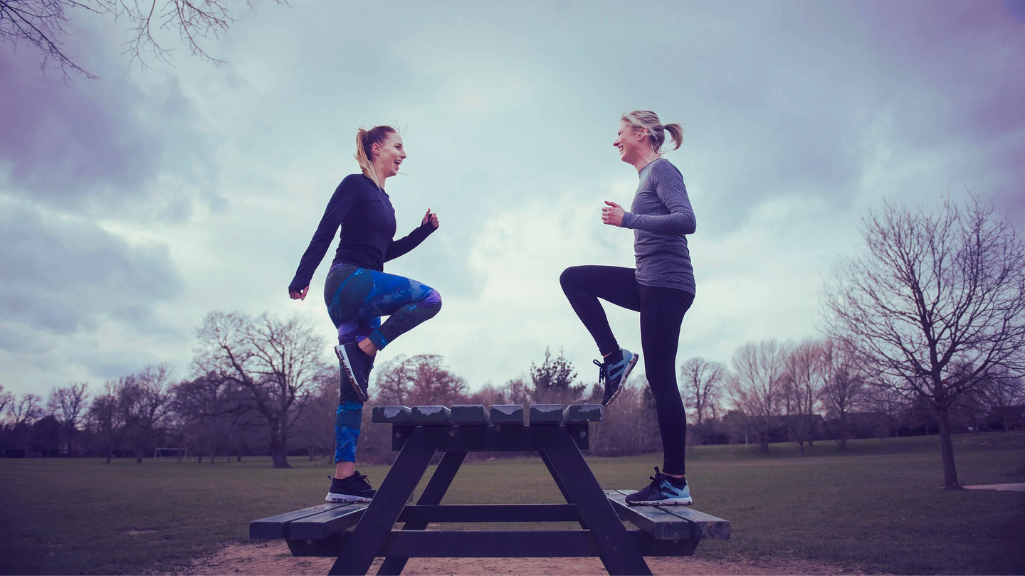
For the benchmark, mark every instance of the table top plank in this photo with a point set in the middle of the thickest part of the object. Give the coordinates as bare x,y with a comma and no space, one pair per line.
470,415
507,414
392,415
545,414
583,413
432,416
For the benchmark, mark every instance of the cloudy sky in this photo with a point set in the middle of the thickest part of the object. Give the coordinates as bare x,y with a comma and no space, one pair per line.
134,204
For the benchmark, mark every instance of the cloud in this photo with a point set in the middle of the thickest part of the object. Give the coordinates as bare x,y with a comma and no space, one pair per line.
105,147
64,276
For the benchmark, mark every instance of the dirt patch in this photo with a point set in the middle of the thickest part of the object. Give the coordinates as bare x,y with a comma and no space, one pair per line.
274,558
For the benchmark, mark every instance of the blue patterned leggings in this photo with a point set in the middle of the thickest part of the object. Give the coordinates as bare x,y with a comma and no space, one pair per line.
356,299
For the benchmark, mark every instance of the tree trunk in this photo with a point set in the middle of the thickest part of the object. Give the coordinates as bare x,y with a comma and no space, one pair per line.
138,456
763,442
213,456
843,431
279,454
947,451
200,461
110,452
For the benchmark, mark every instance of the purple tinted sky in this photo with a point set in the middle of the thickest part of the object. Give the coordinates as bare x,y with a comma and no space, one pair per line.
132,205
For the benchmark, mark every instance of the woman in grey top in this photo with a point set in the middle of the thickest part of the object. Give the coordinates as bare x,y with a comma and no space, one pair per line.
661,288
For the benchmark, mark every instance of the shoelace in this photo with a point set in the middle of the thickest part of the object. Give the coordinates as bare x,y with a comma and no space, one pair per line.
603,372
656,481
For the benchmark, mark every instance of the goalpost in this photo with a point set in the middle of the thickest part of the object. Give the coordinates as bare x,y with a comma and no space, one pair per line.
181,453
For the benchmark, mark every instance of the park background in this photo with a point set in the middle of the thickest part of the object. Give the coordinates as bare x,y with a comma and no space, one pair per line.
147,199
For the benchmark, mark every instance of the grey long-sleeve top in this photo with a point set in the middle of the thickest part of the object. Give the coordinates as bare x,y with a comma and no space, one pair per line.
661,216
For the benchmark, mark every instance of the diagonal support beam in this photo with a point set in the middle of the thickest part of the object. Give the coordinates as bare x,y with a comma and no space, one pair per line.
432,495
619,552
558,482
384,509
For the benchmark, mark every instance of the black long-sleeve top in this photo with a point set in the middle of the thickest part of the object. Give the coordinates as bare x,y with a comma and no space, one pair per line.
367,218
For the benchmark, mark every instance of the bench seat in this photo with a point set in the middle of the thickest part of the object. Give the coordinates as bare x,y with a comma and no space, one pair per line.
668,522
321,522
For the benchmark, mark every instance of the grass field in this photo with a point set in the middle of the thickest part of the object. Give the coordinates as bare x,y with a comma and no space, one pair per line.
877,508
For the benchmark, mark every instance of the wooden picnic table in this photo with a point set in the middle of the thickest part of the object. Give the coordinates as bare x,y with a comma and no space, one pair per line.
357,533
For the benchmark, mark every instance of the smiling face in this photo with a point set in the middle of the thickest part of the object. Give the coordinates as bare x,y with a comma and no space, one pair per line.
631,142
388,156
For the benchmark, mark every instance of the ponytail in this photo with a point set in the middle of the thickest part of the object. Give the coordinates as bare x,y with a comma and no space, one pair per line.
656,130
675,133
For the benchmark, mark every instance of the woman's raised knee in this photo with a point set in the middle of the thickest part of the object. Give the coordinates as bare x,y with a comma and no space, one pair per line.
568,277
433,299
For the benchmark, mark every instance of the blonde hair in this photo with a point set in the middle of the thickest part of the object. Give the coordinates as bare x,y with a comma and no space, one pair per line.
365,140
656,130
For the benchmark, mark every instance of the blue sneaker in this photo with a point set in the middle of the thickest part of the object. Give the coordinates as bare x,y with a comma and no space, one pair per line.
614,375
661,492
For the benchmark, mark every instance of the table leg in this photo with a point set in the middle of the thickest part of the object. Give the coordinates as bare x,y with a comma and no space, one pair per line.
558,482
379,517
433,493
620,554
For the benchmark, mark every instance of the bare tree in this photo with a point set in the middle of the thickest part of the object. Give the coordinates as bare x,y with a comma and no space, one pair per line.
68,405
756,386
6,399
936,305
26,409
393,382
701,382
110,413
149,407
316,426
489,395
842,387
44,25
998,394
273,363
420,380
211,411
802,382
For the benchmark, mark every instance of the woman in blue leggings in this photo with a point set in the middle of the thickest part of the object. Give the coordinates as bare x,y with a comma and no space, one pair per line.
358,292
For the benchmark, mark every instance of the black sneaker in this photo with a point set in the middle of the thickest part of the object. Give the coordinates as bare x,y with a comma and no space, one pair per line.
613,375
355,488
358,365
661,492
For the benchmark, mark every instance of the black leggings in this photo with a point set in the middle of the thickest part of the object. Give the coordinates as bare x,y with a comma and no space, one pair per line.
662,311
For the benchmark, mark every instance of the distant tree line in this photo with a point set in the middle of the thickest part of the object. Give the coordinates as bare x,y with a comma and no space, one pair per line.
925,333
258,387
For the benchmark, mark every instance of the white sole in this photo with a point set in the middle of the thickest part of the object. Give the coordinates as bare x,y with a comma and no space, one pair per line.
622,381
666,502
331,497
347,364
